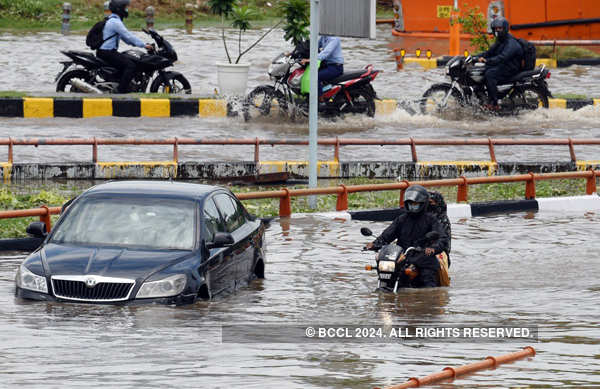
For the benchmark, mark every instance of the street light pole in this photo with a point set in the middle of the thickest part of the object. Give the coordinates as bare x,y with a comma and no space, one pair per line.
313,102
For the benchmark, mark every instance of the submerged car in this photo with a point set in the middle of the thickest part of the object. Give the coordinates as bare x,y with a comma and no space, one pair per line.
145,241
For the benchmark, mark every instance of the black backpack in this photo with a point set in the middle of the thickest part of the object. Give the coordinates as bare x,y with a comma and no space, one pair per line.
528,62
94,38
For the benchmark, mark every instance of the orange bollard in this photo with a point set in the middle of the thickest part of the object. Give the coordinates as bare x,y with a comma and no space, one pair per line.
453,372
454,33
399,59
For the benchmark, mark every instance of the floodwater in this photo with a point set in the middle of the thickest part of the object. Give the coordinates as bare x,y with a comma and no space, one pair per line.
512,270
198,53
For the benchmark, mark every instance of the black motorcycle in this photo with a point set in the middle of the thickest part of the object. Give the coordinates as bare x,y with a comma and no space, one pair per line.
526,91
86,73
393,265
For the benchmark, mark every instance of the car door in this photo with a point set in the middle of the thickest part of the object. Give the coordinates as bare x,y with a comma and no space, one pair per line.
235,220
219,261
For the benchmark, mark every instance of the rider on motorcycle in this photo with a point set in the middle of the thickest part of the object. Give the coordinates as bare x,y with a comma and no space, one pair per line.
409,229
115,30
332,60
503,60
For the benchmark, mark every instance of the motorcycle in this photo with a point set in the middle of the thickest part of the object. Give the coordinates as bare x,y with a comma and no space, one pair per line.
351,92
526,91
86,73
391,263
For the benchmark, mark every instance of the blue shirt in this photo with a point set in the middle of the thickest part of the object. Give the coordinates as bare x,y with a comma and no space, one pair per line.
332,49
113,26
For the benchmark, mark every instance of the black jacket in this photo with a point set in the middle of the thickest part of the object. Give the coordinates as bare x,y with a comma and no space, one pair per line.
507,54
410,231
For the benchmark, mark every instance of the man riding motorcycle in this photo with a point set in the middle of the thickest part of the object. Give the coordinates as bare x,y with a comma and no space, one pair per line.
503,60
409,229
115,30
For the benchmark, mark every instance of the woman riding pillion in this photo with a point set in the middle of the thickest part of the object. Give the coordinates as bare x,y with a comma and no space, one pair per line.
410,229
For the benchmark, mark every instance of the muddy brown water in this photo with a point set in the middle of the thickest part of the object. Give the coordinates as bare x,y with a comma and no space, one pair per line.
521,269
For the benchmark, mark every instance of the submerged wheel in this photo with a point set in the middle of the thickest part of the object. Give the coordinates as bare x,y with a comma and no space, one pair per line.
261,100
441,100
175,84
362,102
530,99
65,81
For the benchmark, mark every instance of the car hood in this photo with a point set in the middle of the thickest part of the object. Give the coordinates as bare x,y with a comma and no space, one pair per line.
61,259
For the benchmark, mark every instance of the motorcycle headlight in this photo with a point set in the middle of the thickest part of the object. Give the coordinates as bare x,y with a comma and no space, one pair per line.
387,266
25,279
167,287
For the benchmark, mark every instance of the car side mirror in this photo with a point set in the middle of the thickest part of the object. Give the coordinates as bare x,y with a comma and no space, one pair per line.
37,229
221,239
366,232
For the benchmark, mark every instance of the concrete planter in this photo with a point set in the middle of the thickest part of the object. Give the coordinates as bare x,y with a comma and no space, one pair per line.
232,78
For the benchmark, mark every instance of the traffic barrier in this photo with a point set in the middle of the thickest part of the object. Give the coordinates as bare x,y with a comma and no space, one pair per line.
342,191
76,107
450,373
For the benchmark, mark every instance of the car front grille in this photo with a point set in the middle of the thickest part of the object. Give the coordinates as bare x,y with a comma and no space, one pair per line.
92,288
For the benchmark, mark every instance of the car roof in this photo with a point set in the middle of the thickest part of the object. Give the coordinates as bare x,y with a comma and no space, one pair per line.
154,188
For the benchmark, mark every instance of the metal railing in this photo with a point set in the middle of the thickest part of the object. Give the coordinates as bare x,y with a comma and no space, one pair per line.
336,143
285,195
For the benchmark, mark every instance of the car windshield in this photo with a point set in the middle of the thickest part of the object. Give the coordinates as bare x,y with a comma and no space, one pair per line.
123,221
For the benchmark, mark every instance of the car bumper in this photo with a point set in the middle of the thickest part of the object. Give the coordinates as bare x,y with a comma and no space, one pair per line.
180,299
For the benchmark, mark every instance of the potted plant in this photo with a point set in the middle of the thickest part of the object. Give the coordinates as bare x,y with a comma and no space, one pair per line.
233,75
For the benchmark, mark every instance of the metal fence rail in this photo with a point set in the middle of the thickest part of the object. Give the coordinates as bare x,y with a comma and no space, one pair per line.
285,195
336,143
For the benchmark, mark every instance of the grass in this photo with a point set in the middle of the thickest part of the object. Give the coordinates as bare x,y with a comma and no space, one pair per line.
572,96
56,196
565,52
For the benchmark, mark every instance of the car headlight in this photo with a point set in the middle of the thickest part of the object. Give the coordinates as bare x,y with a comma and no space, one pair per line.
25,279
387,266
170,286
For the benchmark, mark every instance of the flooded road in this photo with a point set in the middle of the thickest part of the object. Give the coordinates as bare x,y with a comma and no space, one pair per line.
534,270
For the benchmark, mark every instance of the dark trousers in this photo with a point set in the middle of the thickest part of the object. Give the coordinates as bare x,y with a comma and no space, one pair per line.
428,267
121,62
493,76
328,72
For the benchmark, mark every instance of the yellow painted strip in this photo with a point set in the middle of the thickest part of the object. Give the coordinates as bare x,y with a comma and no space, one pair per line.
586,165
385,107
157,108
324,168
35,107
596,101
549,62
97,107
209,107
557,103
111,169
462,166
6,170
424,62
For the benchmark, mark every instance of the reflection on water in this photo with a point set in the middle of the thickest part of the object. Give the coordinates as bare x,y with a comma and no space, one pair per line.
505,270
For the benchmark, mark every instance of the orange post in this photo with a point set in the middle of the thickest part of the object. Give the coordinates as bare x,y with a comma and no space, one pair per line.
463,190
285,204
590,187
342,199
530,187
454,32
45,218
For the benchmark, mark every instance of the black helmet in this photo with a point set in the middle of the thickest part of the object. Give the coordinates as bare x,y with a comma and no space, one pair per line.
502,23
416,199
119,7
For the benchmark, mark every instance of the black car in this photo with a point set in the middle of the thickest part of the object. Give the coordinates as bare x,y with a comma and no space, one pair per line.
145,241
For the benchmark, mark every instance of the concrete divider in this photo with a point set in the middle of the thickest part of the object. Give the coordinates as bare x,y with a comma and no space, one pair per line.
75,107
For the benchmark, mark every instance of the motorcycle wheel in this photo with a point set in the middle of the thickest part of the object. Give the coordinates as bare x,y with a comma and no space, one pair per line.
260,101
530,99
433,102
175,84
64,82
362,102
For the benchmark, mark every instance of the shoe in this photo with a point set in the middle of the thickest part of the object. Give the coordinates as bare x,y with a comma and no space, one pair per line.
491,107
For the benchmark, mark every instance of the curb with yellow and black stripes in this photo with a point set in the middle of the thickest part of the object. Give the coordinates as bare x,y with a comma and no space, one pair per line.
47,107
432,63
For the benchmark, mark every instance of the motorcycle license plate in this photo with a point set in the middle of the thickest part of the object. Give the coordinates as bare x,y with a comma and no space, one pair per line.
385,276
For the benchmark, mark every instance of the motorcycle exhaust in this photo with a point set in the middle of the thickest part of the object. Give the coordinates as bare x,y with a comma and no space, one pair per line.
84,86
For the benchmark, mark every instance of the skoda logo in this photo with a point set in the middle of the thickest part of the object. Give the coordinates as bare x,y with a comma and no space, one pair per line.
90,282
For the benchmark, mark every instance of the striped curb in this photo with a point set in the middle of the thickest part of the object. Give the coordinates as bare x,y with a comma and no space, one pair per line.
48,107
560,205
432,63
